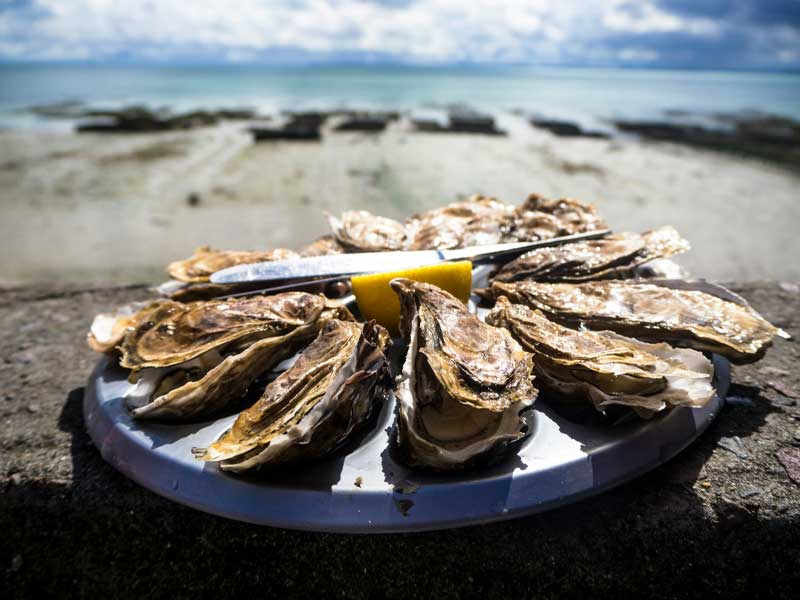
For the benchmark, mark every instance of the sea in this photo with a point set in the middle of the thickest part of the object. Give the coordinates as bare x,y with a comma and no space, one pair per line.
587,96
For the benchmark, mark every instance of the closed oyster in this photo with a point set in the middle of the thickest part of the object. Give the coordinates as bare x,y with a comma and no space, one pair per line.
205,261
361,231
477,221
190,360
606,368
683,317
613,257
464,384
314,406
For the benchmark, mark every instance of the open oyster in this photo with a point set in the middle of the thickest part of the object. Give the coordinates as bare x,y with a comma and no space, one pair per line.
190,360
464,383
604,367
613,257
570,216
323,246
476,221
655,312
205,261
311,408
361,231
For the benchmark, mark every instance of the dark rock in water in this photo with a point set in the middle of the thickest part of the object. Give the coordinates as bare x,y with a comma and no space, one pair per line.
470,121
428,125
366,121
237,114
140,119
768,137
300,126
567,129
460,120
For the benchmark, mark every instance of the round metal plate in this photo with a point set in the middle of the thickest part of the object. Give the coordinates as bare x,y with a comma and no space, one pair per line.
362,489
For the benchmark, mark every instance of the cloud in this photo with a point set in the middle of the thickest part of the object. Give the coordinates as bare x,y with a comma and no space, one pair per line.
686,33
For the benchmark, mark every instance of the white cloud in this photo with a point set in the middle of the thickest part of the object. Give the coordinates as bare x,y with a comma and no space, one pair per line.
430,31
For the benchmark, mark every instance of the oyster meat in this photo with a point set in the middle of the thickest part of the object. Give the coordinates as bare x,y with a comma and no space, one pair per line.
205,261
314,406
190,360
463,386
361,231
604,367
613,257
654,312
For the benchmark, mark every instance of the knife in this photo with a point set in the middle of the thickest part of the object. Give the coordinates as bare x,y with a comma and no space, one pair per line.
339,266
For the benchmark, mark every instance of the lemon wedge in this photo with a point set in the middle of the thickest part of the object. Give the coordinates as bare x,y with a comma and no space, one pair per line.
376,300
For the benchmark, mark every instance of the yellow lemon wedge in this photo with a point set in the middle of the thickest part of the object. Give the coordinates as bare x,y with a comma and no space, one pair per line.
376,300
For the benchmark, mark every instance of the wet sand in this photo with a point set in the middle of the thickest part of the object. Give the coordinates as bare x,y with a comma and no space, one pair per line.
114,208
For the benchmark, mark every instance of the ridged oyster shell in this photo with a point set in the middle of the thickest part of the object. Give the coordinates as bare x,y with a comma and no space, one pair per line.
463,386
613,257
190,360
205,261
605,367
314,406
652,312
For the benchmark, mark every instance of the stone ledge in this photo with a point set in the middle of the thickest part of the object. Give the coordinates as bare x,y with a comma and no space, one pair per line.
723,517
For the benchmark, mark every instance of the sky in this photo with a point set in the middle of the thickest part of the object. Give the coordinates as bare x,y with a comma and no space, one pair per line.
728,34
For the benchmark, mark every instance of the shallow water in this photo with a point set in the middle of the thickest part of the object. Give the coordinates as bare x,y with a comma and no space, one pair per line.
586,95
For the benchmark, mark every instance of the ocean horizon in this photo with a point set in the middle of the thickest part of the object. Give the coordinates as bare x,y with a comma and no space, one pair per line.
586,95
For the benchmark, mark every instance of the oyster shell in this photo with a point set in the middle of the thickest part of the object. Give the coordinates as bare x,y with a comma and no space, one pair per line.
463,386
683,317
323,246
171,332
605,367
108,329
476,221
191,360
314,406
613,257
570,215
361,231
205,261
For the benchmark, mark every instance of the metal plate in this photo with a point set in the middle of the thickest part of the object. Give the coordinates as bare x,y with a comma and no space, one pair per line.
362,489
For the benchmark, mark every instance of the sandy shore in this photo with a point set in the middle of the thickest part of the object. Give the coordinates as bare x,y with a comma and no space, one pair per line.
95,207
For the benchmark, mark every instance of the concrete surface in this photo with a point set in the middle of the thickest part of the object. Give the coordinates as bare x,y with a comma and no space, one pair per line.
722,519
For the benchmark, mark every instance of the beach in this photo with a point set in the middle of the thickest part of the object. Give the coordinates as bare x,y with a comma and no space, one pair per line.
119,207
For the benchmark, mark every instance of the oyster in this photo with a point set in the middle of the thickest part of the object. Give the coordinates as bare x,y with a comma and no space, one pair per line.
108,329
653,312
605,367
323,246
311,408
190,360
612,257
361,231
473,222
172,332
538,215
205,261
464,384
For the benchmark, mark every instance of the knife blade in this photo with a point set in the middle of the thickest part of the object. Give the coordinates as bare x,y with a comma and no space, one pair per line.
345,265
